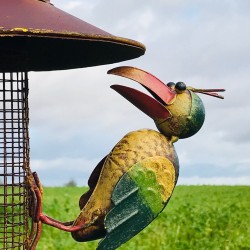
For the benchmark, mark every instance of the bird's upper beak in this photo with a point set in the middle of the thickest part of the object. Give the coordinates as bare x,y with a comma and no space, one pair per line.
153,107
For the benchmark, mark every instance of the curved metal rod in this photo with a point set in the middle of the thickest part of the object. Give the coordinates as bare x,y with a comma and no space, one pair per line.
39,217
65,226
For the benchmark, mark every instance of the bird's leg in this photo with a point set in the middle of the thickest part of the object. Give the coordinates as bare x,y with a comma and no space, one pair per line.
65,226
38,216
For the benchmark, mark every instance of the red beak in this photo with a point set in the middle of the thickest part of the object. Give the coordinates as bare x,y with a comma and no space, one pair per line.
145,103
154,108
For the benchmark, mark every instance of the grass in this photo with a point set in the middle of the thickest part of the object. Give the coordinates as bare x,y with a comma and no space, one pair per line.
197,217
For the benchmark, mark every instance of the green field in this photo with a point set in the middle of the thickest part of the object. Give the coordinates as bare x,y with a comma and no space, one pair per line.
197,217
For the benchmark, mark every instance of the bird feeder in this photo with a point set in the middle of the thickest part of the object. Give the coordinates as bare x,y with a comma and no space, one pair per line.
37,36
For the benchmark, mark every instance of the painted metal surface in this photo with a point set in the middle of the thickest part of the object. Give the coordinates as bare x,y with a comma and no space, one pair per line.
37,36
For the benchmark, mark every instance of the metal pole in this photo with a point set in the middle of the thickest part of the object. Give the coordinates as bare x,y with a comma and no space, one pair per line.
14,161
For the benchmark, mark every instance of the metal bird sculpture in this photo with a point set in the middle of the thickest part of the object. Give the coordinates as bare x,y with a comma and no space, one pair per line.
134,182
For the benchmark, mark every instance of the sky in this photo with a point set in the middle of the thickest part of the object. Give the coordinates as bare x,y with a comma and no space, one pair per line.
76,118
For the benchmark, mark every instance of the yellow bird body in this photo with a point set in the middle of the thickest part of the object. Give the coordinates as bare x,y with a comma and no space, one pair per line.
133,148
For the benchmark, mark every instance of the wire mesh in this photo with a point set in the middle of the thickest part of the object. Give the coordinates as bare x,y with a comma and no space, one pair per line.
14,161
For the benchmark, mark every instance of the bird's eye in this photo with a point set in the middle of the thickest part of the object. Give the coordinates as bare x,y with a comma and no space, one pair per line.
171,85
181,86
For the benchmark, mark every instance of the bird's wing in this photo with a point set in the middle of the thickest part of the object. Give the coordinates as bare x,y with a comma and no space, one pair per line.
139,196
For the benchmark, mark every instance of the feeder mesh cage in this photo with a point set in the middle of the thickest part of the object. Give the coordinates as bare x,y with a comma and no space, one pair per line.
14,161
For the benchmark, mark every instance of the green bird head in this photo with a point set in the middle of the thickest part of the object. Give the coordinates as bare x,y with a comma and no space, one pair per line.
176,109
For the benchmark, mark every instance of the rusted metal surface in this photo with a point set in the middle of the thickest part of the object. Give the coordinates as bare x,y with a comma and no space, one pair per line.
14,161
41,37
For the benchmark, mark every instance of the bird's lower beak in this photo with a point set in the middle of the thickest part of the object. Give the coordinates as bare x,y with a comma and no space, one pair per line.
145,103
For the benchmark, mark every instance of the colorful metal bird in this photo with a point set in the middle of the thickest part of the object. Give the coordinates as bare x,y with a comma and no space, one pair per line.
134,182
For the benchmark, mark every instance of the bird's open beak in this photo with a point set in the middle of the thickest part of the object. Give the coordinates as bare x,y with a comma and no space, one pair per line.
153,107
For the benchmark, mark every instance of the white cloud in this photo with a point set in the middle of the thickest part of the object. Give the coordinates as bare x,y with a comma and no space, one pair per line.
62,164
73,5
146,18
59,171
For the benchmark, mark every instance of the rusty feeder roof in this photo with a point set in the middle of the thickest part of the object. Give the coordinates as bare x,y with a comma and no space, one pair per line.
37,36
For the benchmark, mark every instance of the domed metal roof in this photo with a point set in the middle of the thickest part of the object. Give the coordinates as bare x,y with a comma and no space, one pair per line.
37,36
